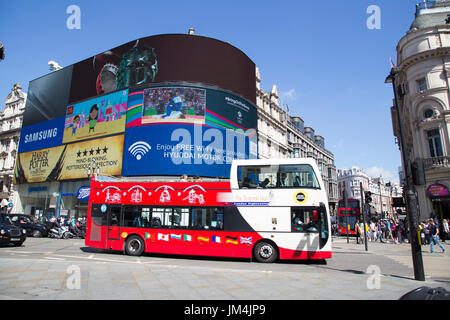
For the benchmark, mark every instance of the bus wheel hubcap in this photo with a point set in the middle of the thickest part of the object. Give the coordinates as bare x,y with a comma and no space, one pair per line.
266,251
134,245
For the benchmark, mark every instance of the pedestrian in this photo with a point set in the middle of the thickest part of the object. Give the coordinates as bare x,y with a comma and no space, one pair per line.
373,231
394,231
361,231
434,234
357,231
426,230
445,230
389,230
380,227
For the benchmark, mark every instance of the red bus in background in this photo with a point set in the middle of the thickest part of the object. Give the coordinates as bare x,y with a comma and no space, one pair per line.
354,213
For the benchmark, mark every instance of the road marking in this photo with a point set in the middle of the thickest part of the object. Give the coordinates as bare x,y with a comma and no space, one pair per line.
53,258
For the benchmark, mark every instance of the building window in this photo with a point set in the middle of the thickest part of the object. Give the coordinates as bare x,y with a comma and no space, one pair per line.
428,113
422,85
434,142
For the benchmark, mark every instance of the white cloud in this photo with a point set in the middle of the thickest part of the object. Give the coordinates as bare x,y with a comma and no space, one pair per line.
289,95
387,175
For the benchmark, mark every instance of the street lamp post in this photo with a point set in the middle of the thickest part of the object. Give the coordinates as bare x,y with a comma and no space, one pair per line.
347,226
381,199
411,201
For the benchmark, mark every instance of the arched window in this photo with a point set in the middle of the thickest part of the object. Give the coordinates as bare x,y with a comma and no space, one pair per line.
428,113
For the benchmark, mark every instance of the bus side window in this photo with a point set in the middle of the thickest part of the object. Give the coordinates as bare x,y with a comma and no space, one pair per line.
207,218
305,219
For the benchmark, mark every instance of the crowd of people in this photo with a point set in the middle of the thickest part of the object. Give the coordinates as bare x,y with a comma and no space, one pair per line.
383,230
432,231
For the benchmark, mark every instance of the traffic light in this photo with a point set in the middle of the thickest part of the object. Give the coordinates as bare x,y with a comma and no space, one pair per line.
368,196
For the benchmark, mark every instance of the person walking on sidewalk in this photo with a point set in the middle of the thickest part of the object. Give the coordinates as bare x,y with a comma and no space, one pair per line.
357,231
389,230
445,230
434,236
380,227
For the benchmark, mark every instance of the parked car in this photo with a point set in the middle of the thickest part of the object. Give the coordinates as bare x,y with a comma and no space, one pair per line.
30,224
10,233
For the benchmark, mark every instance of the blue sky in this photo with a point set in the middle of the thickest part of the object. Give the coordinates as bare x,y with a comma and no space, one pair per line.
329,67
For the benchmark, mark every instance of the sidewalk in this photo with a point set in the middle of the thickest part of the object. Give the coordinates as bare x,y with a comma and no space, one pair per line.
436,265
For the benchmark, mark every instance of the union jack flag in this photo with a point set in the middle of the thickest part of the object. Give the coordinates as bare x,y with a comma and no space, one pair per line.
246,240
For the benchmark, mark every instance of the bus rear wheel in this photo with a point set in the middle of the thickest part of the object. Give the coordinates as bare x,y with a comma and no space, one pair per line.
265,251
134,246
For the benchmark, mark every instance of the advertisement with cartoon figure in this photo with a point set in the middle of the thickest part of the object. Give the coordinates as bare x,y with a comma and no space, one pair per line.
96,117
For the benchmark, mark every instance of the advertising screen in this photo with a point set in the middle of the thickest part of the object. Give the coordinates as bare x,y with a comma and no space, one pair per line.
169,142
161,58
101,116
47,97
181,104
70,161
41,135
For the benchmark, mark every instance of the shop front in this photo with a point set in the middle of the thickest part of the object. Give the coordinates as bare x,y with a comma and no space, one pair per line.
53,199
74,202
439,195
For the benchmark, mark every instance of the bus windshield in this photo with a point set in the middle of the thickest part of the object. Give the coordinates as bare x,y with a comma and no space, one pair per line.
278,176
350,204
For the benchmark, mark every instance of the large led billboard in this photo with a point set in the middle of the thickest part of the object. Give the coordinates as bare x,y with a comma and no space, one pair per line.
97,117
193,130
160,58
189,99
41,135
47,97
71,161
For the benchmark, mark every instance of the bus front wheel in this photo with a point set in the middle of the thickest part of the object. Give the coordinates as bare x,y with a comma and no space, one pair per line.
265,251
134,246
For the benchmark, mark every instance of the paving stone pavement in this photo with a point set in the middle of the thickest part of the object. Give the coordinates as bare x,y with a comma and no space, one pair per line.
41,269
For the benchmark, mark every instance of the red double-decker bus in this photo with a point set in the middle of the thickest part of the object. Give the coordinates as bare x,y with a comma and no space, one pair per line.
354,213
267,211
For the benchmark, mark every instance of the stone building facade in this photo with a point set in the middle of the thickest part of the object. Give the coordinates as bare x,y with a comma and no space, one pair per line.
281,135
10,125
423,60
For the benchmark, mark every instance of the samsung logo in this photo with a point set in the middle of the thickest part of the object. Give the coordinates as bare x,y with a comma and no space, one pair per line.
41,135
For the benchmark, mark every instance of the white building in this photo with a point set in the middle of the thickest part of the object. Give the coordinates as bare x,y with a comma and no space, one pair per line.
350,179
281,135
423,58
10,125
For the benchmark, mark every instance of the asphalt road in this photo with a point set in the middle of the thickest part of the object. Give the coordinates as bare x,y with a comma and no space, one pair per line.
60,269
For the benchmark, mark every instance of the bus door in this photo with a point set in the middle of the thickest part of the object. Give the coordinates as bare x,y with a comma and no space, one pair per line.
114,222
